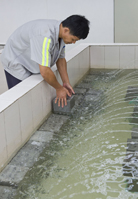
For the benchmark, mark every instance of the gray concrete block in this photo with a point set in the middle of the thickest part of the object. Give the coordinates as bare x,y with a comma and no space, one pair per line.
89,78
54,123
29,154
91,98
84,85
103,72
132,92
78,99
132,145
132,185
130,164
135,111
79,91
94,92
12,174
7,192
42,136
66,109
134,133
130,170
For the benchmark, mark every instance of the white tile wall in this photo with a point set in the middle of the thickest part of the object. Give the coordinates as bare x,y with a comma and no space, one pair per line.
37,107
97,59
112,57
127,57
3,143
73,70
26,116
13,128
4,104
136,57
84,62
47,97
3,83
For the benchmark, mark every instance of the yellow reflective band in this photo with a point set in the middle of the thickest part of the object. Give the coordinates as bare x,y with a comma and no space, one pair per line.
43,51
47,52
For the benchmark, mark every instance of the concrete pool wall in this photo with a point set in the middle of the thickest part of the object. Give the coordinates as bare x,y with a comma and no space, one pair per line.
24,107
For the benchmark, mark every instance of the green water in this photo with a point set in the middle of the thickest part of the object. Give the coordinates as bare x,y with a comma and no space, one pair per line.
85,159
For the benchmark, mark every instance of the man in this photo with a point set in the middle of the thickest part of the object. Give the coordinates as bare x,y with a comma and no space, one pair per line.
37,45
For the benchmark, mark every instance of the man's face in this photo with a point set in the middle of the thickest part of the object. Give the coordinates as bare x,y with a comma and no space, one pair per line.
69,38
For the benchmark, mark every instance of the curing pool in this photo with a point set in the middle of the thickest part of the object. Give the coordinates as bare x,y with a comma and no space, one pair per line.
85,159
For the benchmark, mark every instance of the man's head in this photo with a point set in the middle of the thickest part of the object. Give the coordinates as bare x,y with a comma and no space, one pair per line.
74,28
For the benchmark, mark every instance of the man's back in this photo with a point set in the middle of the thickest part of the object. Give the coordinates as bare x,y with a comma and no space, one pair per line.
22,47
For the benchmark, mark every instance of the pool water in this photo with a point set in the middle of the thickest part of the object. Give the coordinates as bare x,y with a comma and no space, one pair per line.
85,159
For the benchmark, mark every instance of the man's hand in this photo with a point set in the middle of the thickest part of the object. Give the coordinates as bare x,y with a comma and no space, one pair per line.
62,96
69,88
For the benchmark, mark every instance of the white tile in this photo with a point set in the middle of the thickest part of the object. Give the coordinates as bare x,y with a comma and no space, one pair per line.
13,128
136,57
73,70
127,57
46,98
32,81
37,107
26,116
112,57
3,143
75,51
97,57
4,104
84,62
14,93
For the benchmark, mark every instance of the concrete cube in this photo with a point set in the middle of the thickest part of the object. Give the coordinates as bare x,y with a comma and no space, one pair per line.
42,136
54,123
132,145
94,92
12,174
84,85
79,91
132,92
7,192
134,133
65,109
29,154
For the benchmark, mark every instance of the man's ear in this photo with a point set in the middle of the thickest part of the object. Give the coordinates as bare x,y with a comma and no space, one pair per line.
66,30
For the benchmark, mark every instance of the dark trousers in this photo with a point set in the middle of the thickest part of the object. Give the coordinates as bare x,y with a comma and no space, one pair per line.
11,81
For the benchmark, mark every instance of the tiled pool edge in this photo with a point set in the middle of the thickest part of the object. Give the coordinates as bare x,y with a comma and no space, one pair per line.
24,107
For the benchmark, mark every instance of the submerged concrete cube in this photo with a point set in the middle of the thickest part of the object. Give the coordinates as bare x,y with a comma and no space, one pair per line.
132,145
132,92
92,91
54,123
65,109
12,174
134,133
7,192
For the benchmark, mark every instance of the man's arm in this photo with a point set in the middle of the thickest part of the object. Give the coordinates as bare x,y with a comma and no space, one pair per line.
50,78
62,68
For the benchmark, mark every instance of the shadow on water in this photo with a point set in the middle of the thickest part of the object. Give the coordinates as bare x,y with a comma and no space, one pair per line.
90,155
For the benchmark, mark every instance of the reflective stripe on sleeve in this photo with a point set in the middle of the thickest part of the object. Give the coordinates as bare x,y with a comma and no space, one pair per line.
45,51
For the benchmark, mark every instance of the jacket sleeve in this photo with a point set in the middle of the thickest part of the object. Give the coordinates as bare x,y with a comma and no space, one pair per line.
62,54
40,50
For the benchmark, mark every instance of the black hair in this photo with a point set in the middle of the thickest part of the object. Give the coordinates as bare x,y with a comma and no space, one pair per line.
78,25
